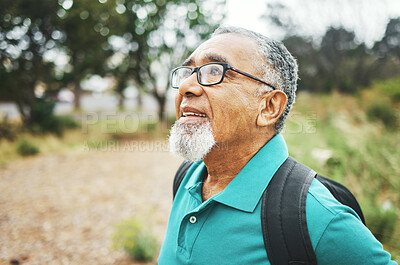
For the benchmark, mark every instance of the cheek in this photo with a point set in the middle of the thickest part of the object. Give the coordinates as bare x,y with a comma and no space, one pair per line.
178,100
235,114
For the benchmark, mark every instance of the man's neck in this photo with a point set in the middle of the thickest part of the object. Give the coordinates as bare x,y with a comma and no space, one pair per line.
225,161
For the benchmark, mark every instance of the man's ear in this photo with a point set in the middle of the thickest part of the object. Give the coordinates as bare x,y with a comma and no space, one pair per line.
272,106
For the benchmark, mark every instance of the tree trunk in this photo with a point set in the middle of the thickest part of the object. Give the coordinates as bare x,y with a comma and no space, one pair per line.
119,89
161,99
77,95
139,99
21,110
121,100
25,101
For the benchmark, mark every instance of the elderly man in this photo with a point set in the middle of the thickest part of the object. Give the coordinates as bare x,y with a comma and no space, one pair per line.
234,93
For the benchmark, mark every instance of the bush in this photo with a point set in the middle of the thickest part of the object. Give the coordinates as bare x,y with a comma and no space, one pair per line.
381,221
42,116
384,113
26,148
8,130
136,241
43,119
388,89
67,122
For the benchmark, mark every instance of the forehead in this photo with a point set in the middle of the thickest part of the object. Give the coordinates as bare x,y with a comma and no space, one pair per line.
229,47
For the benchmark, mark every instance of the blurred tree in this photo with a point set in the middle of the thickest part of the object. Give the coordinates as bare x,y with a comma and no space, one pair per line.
388,50
306,55
336,66
279,16
337,62
27,33
135,41
86,26
157,36
390,43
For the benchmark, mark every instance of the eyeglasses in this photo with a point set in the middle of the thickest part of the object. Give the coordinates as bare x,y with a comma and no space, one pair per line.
208,74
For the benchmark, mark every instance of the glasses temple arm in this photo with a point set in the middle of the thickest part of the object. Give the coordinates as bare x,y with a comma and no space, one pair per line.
252,76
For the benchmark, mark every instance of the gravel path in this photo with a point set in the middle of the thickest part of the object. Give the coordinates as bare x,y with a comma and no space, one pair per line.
61,208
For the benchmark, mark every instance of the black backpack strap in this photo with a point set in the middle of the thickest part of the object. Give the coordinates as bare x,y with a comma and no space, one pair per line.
183,168
342,194
283,215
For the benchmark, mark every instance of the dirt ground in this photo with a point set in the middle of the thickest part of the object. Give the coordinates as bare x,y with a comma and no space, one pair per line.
62,208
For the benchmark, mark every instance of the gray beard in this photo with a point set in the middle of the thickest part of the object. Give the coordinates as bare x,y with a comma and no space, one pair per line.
192,142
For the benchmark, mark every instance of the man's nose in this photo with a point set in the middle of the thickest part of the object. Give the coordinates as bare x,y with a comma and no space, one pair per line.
191,87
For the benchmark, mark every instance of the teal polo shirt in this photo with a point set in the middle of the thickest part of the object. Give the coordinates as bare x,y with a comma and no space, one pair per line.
226,229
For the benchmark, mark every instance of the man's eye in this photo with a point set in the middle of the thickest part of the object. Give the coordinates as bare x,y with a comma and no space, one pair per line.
213,70
184,73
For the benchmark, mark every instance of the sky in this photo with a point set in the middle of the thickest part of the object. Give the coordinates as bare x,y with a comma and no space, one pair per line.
367,18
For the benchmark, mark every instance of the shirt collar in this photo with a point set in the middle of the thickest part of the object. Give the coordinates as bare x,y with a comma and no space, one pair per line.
246,189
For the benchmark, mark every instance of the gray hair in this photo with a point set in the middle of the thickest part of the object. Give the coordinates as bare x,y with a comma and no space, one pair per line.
277,66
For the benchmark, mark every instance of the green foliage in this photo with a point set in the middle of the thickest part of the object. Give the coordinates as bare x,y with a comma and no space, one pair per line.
67,122
390,88
387,90
381,102
137,42
8,130
22,66
382,222
132,236
43,119
27,148
384,113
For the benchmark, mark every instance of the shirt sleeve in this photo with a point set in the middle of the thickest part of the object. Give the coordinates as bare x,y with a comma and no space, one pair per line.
347,241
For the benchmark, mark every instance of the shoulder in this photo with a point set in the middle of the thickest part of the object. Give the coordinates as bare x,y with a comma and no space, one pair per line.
321,200
321,209
337,234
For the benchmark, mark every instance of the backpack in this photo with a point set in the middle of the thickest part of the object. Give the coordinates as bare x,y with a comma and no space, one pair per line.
288,240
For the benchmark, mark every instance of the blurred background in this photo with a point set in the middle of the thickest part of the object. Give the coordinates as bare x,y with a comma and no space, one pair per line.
86,104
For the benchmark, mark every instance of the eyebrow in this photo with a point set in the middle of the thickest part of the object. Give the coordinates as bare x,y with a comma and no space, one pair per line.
212,57
187,62
216,58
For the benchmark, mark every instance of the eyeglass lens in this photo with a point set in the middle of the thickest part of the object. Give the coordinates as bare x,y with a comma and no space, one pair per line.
208,74
179,75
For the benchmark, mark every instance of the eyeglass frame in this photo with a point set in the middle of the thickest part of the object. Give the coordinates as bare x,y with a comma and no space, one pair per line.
226,67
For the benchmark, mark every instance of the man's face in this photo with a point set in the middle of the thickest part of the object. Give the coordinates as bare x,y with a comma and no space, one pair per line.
231,106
